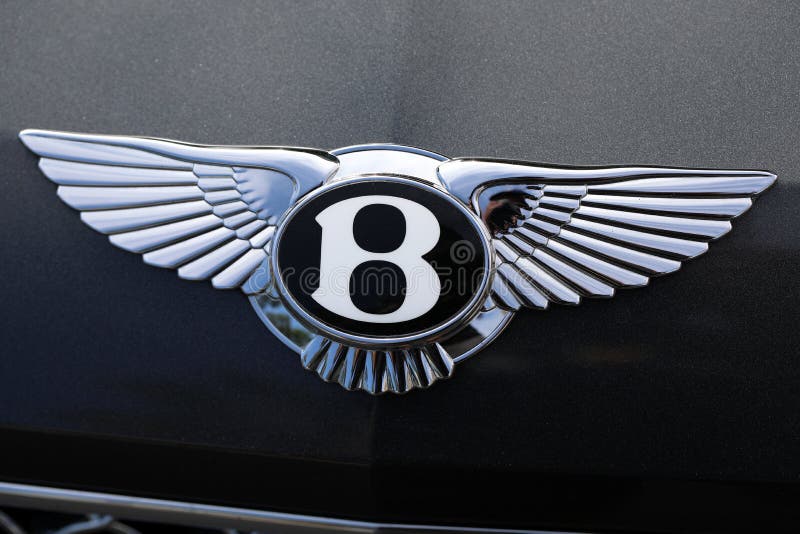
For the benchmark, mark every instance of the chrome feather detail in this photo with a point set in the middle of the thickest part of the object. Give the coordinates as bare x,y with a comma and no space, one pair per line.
564,233
187,207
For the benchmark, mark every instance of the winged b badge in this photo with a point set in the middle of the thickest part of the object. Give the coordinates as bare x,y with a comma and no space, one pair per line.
384,265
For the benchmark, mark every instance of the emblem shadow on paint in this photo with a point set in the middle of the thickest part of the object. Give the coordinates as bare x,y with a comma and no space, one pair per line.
313,237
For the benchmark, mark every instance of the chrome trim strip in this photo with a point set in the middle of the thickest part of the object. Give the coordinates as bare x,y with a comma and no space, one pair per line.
207,515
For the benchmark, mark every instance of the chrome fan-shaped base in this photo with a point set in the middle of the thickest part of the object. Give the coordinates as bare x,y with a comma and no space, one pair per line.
377,371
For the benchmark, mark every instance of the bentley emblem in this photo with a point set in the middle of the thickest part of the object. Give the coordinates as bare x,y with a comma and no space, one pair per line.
382,265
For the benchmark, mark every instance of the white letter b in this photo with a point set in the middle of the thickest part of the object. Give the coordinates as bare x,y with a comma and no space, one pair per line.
340,255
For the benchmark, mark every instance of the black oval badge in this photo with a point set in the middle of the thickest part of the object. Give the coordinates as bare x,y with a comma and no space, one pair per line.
388,258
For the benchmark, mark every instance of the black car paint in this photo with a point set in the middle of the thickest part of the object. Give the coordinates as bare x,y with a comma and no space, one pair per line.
668,408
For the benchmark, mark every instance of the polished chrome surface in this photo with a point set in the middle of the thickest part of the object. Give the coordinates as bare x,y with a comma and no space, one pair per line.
180,205
382,158
207,515
377,371
478,333
563,233
551,234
